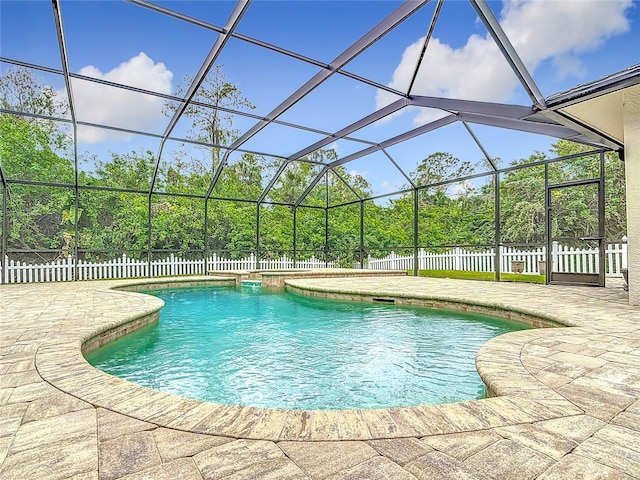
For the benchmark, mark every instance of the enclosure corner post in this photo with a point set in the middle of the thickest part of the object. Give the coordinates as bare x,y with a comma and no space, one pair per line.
295,236
149,255
497,233
257,235
326,237
206,237
5,223
415,232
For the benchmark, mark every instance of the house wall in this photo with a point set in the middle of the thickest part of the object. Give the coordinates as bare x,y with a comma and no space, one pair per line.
631,108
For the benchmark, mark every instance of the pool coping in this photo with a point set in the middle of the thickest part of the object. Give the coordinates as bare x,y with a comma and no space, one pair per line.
516,396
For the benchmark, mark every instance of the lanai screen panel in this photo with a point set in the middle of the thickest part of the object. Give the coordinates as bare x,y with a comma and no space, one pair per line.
177,226
269,107
231,229
344,236
310,233
40,223
559,58
112,224
433,157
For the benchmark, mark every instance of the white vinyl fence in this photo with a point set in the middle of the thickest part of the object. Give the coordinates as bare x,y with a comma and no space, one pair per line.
565,259
124,267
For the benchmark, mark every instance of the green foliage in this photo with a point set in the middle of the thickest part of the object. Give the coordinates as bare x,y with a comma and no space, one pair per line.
522,197
438,167
115,221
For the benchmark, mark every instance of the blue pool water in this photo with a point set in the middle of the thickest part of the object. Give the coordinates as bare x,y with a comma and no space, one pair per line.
278,350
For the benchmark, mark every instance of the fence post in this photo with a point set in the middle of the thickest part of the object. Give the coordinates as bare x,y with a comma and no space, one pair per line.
624,251
554,256
69,268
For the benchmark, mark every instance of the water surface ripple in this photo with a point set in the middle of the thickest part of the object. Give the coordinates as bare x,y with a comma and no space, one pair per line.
279,350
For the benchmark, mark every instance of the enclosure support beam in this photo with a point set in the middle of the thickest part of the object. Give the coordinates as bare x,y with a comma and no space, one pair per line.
5,225
149,254
496,215
326,220
551,130
427,38
395,164
326,237
361,249
480,146
64,60
601,222
295,236
415,232
547,225
631,115
258,236
504,44
206,236
441,122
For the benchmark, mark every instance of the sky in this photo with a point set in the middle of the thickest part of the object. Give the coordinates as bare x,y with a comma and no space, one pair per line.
562,43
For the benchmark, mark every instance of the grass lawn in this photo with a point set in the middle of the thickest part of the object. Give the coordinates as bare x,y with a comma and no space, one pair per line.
487,276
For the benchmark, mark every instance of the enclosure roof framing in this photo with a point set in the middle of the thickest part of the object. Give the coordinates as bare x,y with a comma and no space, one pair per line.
583,114
364,42
235,17
511,55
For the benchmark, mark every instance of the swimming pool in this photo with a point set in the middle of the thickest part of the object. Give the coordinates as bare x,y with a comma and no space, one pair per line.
255,347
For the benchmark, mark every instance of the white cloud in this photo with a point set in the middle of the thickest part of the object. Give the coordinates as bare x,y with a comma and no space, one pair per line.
461,189
106,105
387,187
353,173
539,30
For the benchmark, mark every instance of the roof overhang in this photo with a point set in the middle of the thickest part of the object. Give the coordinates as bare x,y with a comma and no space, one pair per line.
596,109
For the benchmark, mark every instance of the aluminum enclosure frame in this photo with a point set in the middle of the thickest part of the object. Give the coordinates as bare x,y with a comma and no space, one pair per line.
544,116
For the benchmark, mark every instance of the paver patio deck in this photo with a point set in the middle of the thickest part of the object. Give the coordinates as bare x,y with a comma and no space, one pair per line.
566,404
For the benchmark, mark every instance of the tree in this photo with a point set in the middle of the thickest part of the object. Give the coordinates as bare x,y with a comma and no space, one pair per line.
438,167
211,123
589,167
37,150
21,91
522,198
522,203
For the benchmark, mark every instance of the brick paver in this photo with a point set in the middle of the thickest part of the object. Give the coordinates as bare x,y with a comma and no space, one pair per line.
565,401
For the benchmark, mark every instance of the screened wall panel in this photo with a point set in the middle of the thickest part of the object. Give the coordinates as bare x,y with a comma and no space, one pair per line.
276,231
310,233
344,236
522,206
198,128
177,226
389,231
128,164
112,223
231,228
40,222
36,150
186,168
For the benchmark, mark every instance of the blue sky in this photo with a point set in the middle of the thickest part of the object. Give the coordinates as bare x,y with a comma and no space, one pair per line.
563,43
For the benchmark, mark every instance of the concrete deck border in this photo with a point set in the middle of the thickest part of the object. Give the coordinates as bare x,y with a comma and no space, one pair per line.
535,377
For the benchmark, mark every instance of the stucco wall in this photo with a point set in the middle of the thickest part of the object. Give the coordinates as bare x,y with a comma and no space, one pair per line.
631,106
